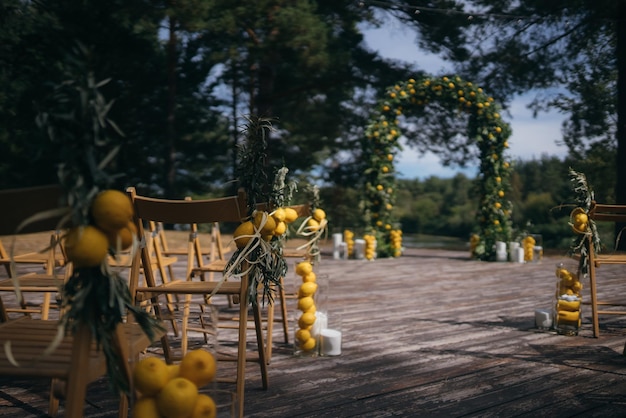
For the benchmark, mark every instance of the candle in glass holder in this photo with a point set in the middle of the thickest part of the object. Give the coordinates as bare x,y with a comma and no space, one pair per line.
330,342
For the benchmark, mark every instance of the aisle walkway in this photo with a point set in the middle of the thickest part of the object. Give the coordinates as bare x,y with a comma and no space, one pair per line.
432,333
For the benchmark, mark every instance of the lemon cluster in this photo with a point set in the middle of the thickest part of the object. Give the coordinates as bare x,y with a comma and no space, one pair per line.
268,225
568,298
348,238
579,220
528,243
314,222
395,236
111,227
370,246
306,304
172,391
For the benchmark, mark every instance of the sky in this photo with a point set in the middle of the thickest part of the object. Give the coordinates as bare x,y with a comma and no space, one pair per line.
531,138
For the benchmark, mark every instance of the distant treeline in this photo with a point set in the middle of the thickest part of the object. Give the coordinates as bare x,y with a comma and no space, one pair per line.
541,192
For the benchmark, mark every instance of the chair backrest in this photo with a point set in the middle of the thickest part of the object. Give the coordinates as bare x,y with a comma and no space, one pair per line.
18,205
189,212
224,209
607,213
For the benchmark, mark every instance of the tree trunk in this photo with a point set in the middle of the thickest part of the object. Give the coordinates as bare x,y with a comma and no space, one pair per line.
620,185
170,147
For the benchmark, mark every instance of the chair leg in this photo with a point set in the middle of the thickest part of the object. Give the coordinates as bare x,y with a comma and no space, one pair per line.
53,401
263,360
241,355
283,309
594,302
270,331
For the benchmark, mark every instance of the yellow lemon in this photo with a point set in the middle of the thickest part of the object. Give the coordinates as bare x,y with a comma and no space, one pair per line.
319,214
290,215
305,303
243,233
303,335
145,407
312,225
279,215
577,286
310,277
177,399
111,210
205,407
86,246
198,366
267,227
150,375
123,236
172,370
581,218
306,319
303,268
308,345
312,309
281,228
307,289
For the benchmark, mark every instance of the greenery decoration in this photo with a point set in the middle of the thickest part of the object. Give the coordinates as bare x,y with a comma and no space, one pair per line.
485,127
76,119
264,262
584,197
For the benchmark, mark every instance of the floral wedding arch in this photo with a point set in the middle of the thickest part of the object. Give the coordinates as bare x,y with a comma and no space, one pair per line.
485,128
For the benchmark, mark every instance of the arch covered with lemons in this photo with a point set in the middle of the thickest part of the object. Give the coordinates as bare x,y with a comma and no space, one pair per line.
485,128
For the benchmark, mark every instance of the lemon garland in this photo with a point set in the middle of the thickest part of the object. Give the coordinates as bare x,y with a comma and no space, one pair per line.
485,127
370,246
348,238
306,340
568,299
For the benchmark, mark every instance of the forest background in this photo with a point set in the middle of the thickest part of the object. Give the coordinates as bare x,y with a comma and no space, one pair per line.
168,83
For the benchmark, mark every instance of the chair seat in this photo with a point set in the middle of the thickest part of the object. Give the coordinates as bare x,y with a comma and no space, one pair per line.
181,287
216,266
34,282
29,339
616,258
125,260
294,253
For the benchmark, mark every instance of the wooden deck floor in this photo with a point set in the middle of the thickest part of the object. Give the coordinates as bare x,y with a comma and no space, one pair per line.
430,334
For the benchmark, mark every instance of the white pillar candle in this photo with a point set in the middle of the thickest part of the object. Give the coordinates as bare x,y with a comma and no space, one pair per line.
359,249
330,342
519,255
500,247
337,241
543,318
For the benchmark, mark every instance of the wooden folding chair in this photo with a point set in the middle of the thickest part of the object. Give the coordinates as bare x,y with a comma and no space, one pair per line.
72,365
20,205
603,213
228,209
